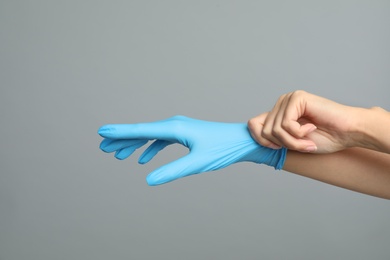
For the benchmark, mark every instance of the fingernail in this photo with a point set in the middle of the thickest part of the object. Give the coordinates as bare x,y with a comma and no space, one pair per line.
311,148
312,128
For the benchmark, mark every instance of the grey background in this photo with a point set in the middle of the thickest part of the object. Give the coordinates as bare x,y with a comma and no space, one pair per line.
68,67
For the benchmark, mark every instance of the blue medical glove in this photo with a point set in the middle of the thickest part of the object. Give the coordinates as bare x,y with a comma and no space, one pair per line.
212,146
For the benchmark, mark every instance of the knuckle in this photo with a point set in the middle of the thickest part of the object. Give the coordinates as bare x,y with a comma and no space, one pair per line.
251,123
285,124
298,93
255,125
277,131
266,133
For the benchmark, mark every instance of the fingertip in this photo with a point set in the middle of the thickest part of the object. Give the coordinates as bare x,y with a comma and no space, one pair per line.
145,157
311,149
105,131
305,146
308,128
101,130
119,158
182,167
103,145
141,161
152,150
154,179
121,154
274,146
151,182
268,144
160,176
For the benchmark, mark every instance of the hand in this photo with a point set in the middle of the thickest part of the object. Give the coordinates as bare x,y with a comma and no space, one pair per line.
306,123
212,146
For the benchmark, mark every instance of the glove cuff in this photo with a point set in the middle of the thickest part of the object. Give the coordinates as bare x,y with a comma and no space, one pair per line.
282,158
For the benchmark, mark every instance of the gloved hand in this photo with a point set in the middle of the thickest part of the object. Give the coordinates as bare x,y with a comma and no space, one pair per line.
212,146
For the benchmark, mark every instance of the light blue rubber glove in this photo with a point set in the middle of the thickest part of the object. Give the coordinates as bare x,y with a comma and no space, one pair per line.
212,146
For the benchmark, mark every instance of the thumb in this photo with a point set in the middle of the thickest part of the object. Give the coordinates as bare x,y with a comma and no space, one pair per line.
174,170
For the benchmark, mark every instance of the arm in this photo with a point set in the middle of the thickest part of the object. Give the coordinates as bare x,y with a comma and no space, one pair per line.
356,169
214,145
353,142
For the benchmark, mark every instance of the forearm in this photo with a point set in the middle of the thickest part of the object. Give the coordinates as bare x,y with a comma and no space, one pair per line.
371,129
356,169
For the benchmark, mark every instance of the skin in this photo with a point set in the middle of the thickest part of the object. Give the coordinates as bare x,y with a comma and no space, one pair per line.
305,122
361,170
341,145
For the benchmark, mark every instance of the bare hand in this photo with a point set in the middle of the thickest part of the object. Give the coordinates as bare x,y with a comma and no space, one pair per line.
307,123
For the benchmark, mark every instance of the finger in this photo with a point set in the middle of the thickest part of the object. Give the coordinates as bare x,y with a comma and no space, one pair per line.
292,118
152,150
291,142
124,153
269,123
165,129
277,134
298,130
127,151
182,167
104,143
112,145
255,126
287,129
297,144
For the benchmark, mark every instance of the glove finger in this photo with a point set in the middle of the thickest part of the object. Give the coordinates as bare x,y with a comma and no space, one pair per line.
182,167
166,130
104,143
111,145
152,150
123,153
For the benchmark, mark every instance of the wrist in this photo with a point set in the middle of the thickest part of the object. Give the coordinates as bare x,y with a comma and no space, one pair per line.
370,128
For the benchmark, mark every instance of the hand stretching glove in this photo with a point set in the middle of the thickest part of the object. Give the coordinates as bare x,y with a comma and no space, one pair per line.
212,146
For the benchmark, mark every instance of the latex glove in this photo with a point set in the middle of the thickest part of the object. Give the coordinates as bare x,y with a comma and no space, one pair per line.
212,146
